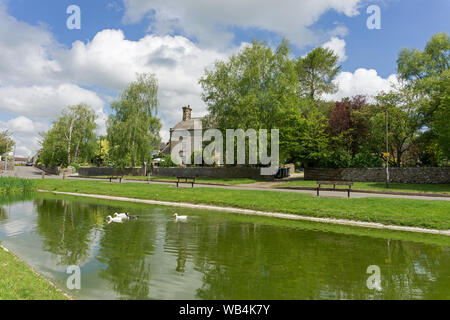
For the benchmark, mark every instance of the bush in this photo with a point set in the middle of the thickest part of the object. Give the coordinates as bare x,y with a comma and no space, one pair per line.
367,160
167,161
342,158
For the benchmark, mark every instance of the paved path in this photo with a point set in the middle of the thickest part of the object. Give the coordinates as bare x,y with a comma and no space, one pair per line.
34,173
28,173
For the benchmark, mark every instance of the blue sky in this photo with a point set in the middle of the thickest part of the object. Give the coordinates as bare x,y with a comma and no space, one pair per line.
45,65
405,23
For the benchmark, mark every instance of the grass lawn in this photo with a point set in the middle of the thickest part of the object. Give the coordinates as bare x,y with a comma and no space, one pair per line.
19,282
224,181
417,213
381,186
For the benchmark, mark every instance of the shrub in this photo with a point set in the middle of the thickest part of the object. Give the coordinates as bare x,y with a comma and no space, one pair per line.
167,161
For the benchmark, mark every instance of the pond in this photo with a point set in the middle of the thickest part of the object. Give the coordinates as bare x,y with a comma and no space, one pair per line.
217,255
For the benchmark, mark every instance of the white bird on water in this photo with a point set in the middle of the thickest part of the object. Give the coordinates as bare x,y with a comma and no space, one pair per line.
115,219
121,215
179,218
125,216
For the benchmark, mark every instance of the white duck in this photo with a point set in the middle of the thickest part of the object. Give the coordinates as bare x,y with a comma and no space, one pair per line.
115,219
179,218
121,215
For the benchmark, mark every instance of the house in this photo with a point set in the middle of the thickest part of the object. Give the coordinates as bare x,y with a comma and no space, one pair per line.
20,160
187,123
164,148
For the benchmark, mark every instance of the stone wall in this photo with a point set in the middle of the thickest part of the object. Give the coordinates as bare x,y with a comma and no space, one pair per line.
222,172
108,171
402,175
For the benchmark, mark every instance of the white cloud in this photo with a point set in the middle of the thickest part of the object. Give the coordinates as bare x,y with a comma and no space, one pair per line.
338,46
25,133
24,53
45,102
111,61
362,81
209,21
40,77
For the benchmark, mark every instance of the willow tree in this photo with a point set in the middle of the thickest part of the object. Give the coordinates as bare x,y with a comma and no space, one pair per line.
133,128
6,143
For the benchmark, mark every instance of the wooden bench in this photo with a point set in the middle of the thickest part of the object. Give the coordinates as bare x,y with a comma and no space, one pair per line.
116,178
186,180
334,184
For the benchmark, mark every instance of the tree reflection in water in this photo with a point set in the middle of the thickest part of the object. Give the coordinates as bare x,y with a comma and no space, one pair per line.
67,228
251,261
3,214
126,250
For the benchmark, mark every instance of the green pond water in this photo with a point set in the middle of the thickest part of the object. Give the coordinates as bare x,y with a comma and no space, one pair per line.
217,255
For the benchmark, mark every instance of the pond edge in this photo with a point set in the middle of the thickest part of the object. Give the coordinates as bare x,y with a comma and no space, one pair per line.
37,274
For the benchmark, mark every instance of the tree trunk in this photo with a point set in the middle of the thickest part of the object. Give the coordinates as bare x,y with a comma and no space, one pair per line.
132,155
69,141
77,152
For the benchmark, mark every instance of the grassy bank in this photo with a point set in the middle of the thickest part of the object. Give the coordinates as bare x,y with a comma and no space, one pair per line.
381,186
19,282
405,212
10,185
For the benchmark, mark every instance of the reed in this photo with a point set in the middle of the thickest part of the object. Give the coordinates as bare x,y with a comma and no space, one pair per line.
12,185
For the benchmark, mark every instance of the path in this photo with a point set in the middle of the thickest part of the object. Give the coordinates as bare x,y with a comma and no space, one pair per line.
28,173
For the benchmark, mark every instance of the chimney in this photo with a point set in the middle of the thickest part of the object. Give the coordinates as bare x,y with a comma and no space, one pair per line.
187,111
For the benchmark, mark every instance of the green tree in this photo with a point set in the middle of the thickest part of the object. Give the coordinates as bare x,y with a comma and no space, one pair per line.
53,151
253,89
133,128
102,154
260,88
6,142
441,120
403,124
427,73
316,72
304,140
72,137
416,65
